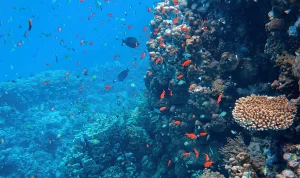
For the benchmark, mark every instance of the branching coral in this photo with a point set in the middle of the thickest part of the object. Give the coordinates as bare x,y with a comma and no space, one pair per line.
264,113
241,160
207,173
233,147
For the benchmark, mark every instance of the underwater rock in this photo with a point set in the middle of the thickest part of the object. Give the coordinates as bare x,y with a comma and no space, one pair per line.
229,62
247,71
148,166
275,25
287,82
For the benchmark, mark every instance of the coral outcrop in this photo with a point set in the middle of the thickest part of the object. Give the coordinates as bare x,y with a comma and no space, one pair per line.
264,113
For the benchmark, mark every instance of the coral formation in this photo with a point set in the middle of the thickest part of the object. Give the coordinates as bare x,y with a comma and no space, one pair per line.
207,173
264,113
291,156
241,160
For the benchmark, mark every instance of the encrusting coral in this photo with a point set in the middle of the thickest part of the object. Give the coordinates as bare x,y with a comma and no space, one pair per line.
264,113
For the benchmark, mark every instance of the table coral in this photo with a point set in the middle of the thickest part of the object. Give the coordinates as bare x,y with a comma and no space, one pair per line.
264,113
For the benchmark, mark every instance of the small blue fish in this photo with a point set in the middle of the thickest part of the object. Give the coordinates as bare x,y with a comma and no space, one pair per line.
157,111
222,114
267,152
233,132
187,55
181,82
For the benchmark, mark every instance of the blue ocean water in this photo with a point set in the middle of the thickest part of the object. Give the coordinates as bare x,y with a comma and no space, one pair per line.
38,48
61,77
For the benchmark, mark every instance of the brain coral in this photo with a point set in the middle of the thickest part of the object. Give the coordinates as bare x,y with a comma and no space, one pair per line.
264,113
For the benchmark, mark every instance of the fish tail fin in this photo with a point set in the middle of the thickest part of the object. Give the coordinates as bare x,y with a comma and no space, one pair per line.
123,42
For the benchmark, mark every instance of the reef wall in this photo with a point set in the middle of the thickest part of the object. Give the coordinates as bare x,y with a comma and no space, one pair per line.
204,55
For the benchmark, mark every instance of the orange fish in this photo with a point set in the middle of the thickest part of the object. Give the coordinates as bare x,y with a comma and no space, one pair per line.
149,9
149,73
163,10
45,82
163,108
170,92
156,31
159,60
206,157
186,63
175,2
176,10
129,26
202,134
145,28
219,98
185,154
109,15
208,164
179,76
183,28
108,87
187,36
68,73
143,55
169,163
191,135
204,28
177,122
196,152
116,56
162,95
161,44
175,20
